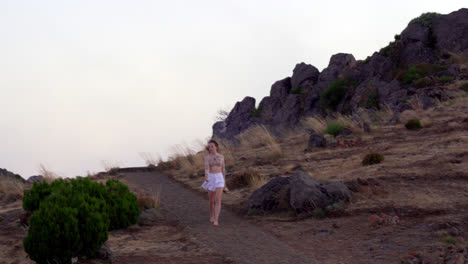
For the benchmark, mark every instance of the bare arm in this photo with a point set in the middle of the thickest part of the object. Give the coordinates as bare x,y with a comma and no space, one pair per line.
207,168
223,168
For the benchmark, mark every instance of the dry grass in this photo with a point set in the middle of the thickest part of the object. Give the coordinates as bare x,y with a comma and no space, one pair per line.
10,189
150,159
49,175
111,167
247,178
259,137
151,200
459,58
316,123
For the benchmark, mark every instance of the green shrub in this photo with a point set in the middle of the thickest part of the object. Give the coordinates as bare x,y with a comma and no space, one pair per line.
450,240
412,74
319,213
40,190
123,206
446,79
373,100
53,235
413,124
257,112
334,93
464,87
366,60
424,19
419,71
372,158
72,218
423,82
296,90
334,128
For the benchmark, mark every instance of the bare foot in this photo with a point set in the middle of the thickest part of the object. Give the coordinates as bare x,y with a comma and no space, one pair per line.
216,223
211,220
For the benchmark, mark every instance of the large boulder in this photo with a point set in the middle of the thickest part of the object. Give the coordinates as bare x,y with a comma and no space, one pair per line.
289,113
391,94
304,72
270,106
378,67
451,31
239,119
36,178
280,89
341,65
300,193
316,141
307,193
271,197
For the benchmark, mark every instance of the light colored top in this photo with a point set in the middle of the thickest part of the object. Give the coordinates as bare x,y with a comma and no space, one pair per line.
214,163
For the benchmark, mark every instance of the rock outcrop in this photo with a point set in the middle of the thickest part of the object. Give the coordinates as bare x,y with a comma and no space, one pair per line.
300,193
428,42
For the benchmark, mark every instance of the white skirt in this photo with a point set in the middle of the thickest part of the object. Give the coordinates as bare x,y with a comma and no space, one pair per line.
215,180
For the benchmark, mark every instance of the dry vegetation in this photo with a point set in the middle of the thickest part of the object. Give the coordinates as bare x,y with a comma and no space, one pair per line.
423,180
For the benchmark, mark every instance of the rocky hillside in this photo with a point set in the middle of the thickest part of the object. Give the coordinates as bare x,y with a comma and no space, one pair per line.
423,61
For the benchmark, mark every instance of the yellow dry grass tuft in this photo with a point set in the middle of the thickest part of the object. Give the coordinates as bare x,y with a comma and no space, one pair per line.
151,200
150,159
10,189
49,175
259,137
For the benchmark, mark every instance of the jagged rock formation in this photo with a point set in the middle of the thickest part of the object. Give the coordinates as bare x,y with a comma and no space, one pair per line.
387,78
8,174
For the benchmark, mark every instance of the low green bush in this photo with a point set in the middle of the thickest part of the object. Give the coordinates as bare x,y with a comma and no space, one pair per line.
73,218
413,124
257,112
334,93
123,206
295,90
373,100
334,128
446,79
372,158
464,87
424,19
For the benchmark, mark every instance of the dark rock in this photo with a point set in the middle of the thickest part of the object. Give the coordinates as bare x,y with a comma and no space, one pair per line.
317,141
270,106
416,45
391,94
303,72
300,193
289,113
451,31
148,217
378,67
308,193
339,67
105,253
312,101
239,119
280,89
9,174
366,127
273,196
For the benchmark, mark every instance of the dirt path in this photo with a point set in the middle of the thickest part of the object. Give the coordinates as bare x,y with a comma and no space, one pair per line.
234,238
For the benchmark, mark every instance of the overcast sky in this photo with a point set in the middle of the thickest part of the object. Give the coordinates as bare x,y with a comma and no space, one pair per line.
84,82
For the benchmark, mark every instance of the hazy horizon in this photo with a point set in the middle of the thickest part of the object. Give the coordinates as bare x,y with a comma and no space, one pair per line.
90,81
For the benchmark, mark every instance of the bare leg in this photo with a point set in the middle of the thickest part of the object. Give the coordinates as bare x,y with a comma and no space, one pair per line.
219,193
211,196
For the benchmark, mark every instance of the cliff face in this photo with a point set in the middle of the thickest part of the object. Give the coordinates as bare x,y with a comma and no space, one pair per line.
416,63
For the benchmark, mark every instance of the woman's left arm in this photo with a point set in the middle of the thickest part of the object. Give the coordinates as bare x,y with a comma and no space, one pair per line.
223,167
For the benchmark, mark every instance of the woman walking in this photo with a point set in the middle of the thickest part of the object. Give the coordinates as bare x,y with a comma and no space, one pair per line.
215,172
